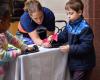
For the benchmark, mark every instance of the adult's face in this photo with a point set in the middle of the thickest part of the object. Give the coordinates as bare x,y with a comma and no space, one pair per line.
37,17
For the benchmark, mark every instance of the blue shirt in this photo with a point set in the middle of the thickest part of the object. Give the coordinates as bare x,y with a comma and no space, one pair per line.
29,25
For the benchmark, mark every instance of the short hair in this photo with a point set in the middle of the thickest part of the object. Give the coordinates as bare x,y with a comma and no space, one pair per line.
75,5
32,6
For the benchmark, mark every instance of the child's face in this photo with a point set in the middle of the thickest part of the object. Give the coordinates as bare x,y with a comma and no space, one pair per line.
72,15
4,24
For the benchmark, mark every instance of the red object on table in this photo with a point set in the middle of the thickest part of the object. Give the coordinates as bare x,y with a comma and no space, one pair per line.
53,37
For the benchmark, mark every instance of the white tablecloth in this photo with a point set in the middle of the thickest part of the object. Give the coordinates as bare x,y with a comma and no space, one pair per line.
47,64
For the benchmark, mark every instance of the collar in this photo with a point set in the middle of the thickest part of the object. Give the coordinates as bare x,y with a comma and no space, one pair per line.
76,21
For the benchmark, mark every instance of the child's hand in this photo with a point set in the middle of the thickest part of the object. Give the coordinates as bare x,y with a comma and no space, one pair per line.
38,42
50,38
14,53
48,41
31,49
46,44
64,49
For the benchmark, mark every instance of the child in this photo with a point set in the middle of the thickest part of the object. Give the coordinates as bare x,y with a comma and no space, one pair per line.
79,38
5,38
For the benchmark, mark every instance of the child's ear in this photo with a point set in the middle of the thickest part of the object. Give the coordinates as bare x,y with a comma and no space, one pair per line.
80,12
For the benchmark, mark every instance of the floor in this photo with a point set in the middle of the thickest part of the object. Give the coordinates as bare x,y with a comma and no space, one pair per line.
13,27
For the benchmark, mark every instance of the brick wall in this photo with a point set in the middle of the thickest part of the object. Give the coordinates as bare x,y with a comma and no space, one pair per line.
92,14
96,28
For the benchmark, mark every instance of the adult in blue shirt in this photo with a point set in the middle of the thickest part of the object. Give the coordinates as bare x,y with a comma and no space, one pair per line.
36,16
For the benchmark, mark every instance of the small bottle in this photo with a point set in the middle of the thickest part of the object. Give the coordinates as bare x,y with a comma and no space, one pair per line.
19,35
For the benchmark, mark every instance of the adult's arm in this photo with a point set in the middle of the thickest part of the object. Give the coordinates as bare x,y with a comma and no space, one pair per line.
34,36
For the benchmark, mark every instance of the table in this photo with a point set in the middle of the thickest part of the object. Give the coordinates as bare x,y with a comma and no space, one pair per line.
47,64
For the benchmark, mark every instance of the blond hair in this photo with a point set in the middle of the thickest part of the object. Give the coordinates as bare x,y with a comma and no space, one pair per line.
32,6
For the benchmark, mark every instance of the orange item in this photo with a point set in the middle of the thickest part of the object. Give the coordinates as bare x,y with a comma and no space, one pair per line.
20,28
